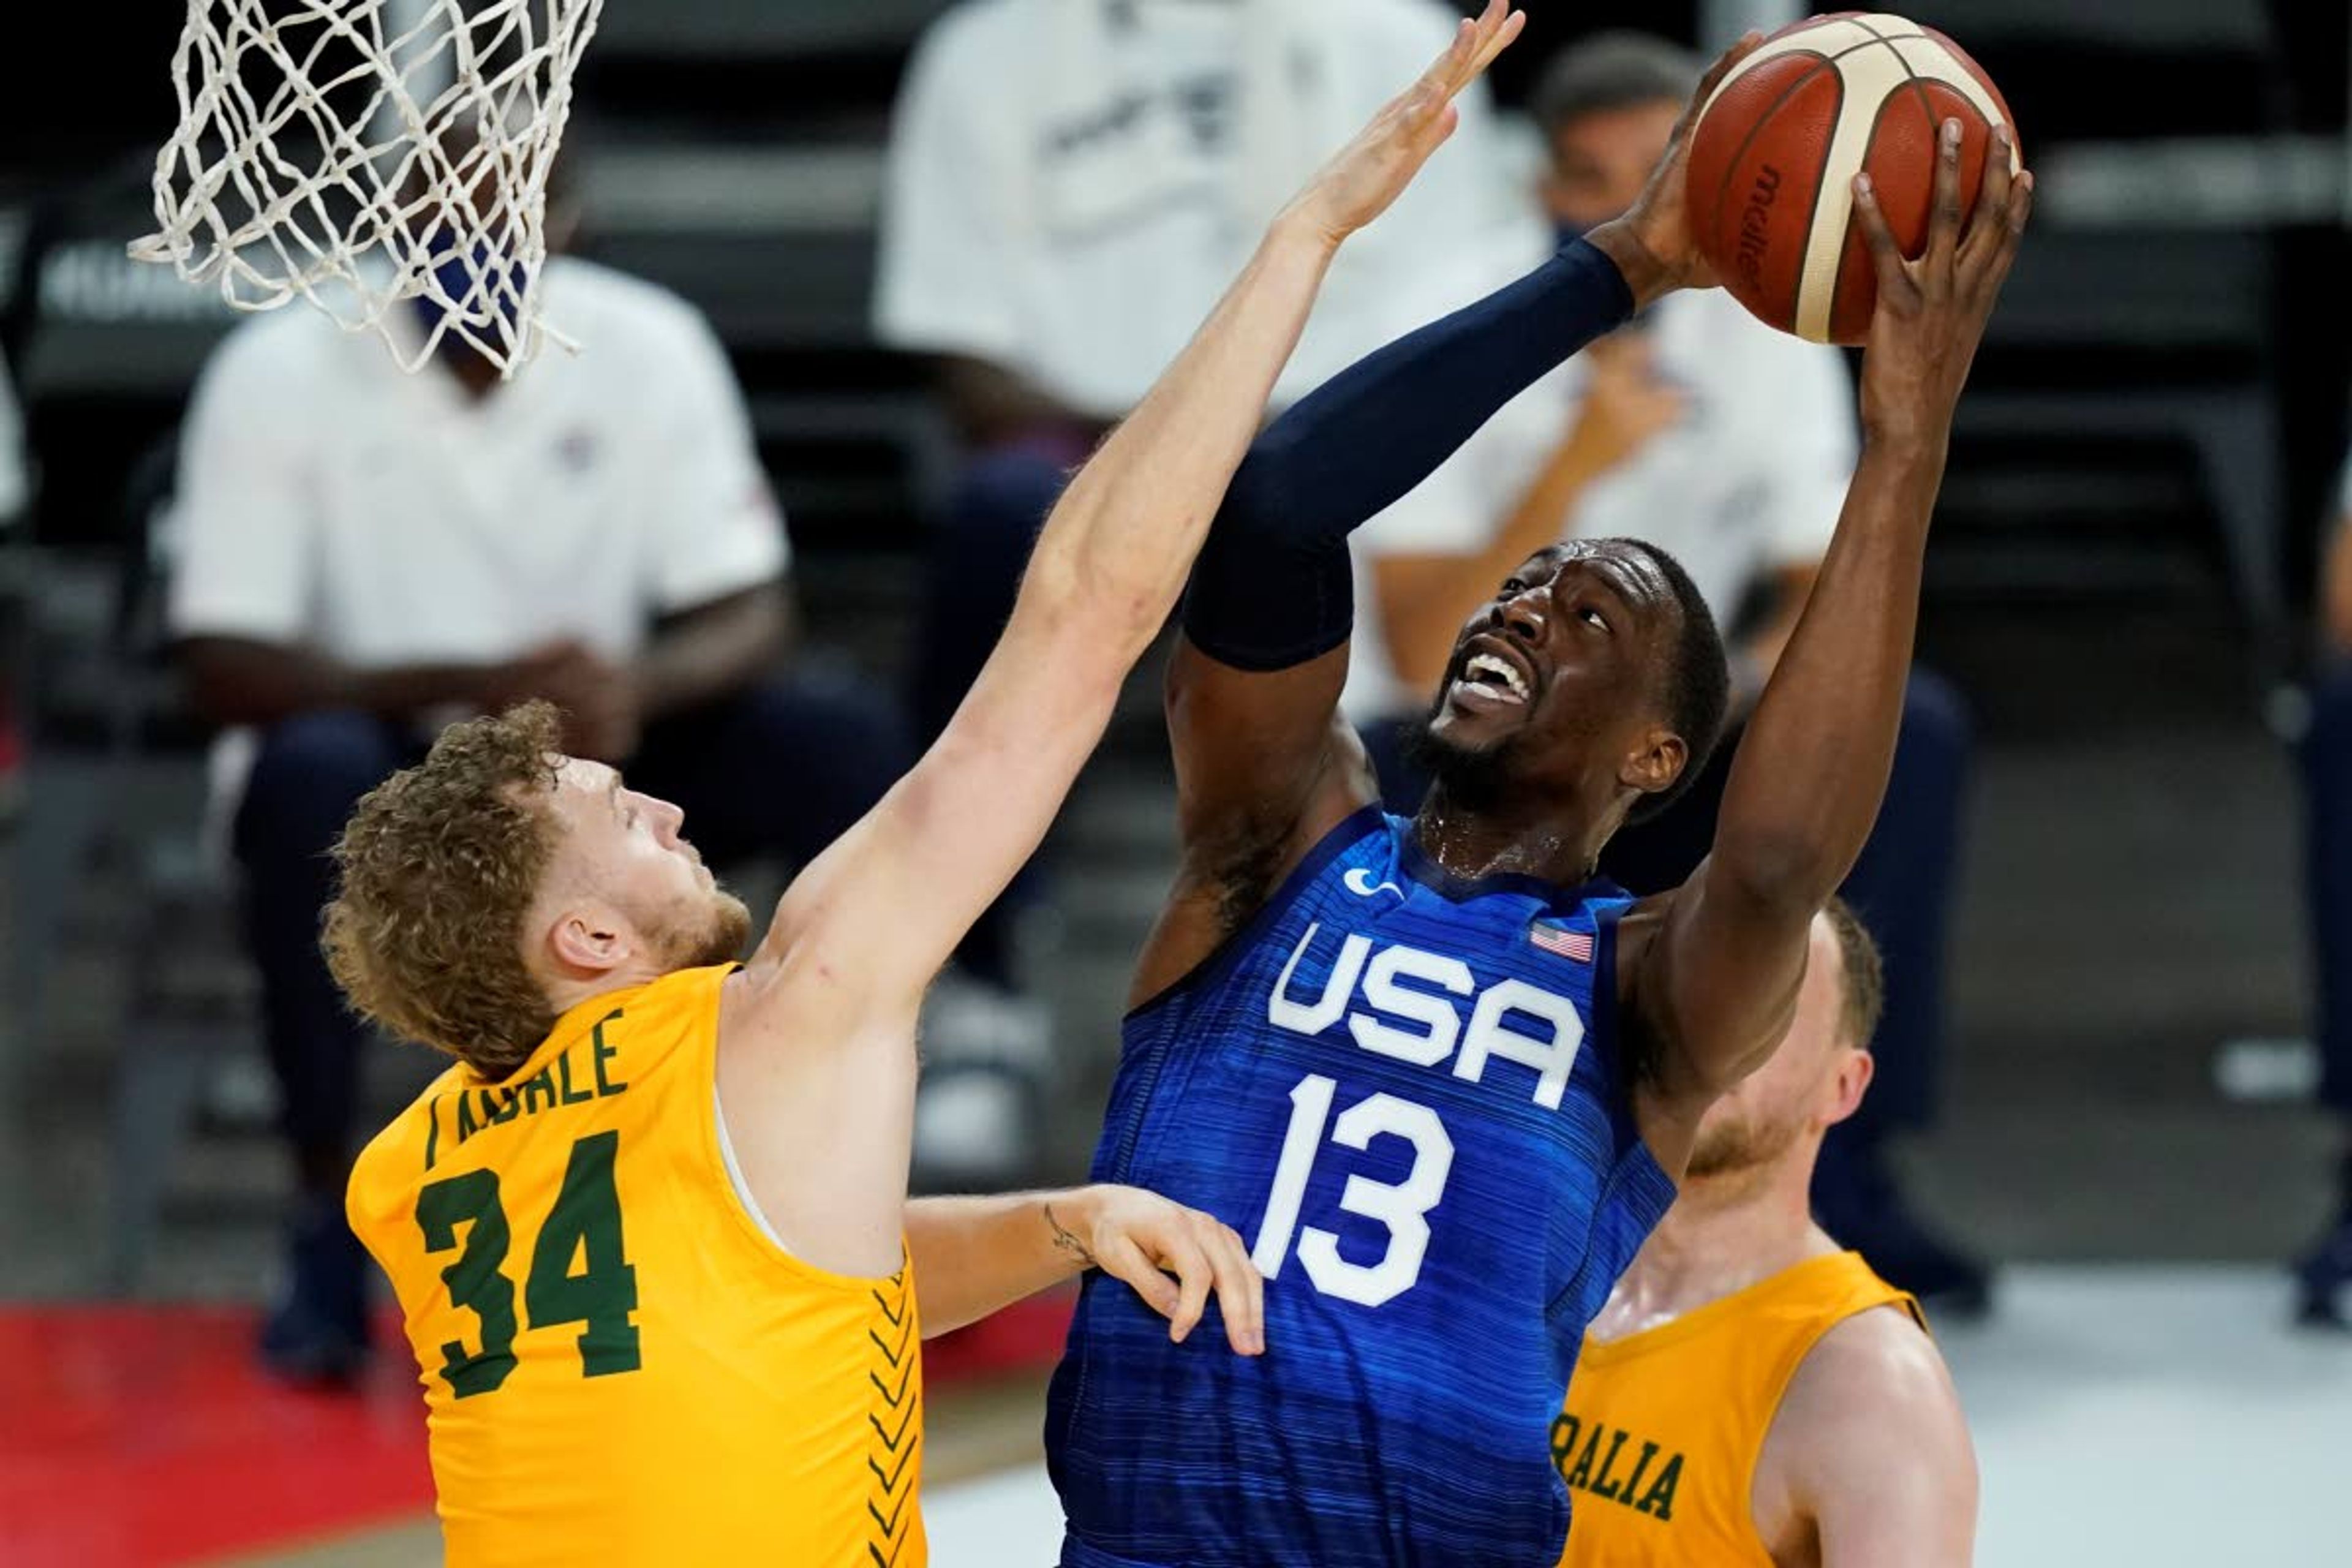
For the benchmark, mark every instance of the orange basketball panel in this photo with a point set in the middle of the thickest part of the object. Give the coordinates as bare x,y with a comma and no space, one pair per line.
1755,174
1902,164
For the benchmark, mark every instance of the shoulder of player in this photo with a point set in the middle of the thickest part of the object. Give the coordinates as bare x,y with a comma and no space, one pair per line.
802,994
375,1180
1643,919
1669,1123
1872,1398
1639,927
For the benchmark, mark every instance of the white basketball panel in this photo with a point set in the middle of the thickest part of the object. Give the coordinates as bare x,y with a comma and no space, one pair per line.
1868,75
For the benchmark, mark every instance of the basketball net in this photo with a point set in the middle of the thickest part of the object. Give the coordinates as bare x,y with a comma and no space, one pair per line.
381,159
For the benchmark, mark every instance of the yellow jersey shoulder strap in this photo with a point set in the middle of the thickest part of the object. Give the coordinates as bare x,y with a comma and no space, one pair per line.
1808,1299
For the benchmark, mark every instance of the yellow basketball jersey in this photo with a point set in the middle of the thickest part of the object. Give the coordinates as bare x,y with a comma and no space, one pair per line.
619,1365
1660,1433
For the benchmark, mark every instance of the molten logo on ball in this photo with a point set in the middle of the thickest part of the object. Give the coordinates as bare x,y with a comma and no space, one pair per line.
1755,229
1779,141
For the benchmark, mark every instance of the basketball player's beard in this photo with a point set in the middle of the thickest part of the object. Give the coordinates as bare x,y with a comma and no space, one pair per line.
717,937
1735,1143
1473,779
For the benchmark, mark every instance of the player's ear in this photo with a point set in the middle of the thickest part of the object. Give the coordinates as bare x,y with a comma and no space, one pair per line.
587,941
1855,1068
1656,763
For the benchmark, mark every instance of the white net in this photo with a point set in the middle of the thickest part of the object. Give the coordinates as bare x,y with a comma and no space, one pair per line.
386,160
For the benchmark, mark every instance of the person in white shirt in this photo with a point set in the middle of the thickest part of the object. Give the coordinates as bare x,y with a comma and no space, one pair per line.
1731,445
2325,1272
364,554
1070,184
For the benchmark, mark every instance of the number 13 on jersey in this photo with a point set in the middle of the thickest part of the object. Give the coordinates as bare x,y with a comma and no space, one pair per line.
1401,1206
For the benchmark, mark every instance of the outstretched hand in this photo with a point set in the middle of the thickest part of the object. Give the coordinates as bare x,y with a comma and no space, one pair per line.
1141,1238
1931,312
1652,244
1369,173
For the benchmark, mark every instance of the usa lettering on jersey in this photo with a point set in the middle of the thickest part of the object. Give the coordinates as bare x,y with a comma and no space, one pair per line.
1423,1008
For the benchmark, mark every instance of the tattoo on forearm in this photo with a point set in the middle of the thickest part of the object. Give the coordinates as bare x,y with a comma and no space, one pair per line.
1068,1242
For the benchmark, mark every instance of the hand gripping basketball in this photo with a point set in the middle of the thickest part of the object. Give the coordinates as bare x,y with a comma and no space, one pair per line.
1931,312
1782,136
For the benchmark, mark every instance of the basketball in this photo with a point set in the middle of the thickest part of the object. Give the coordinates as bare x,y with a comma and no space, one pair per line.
1777,146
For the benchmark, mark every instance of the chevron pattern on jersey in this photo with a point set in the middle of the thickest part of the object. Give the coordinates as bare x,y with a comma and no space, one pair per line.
896,1417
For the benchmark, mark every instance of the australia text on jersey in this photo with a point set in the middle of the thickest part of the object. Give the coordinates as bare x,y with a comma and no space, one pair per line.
556,1084
1440,983
1577,1467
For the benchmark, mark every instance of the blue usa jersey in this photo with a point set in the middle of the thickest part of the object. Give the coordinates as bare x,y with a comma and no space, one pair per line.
1403,1090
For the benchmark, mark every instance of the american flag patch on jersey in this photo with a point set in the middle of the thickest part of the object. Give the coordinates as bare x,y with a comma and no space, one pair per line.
1553,936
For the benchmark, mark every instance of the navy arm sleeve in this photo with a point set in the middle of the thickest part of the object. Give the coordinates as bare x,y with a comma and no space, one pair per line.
1272,588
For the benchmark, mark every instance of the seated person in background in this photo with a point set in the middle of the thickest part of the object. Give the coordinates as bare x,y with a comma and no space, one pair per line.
2325,1273
365,555
1070,185
1751,1393
1730,444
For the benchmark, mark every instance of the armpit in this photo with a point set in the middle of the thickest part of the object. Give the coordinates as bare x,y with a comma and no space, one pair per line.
1244,878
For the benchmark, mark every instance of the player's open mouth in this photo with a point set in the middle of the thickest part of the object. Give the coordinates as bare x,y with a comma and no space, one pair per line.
1489,683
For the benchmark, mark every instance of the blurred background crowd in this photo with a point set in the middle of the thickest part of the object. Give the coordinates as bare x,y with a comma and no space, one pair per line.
859,284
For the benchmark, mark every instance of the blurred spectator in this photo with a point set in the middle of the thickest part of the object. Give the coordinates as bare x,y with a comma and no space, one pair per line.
364,554
15,491
1072,184
2326,1272
1731,445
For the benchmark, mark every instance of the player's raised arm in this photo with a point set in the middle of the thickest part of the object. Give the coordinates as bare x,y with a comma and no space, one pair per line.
1710,970
1264,765
815,1060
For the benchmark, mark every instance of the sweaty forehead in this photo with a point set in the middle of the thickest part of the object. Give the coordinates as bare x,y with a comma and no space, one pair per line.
583,787
1632,571
578,774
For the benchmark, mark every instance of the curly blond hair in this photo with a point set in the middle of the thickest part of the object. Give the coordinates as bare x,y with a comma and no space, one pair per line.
439,866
